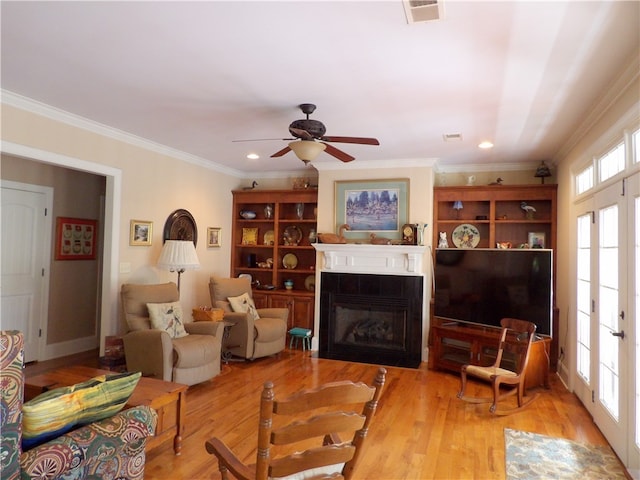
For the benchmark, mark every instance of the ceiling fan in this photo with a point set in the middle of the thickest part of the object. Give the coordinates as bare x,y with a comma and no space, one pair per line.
311,139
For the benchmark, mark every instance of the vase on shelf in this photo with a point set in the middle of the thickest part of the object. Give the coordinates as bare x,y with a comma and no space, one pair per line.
268,211
300,210
312,235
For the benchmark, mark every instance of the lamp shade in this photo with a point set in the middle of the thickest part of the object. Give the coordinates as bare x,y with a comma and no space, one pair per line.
542,171
178,255
307,150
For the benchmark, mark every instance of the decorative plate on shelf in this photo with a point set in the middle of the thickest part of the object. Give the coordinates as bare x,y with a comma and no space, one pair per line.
466,236
289,261
292,235
310,283
269,238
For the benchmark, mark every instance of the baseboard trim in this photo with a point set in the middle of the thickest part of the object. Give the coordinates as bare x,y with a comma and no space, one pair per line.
71,347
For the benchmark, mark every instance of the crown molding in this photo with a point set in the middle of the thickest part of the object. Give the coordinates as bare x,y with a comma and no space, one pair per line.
487,167
38,108
620,84
375,164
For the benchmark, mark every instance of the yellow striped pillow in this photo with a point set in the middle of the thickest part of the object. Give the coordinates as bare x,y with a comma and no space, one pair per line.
62,409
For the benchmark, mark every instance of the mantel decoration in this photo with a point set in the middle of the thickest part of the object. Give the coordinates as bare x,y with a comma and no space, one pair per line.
76,238
140,232
180,225
372,206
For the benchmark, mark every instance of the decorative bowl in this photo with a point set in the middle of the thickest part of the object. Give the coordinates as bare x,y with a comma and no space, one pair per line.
247,214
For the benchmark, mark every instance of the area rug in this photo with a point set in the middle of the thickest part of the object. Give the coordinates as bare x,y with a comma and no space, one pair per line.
533,456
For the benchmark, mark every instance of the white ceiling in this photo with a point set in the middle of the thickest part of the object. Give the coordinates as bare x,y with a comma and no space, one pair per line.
194,76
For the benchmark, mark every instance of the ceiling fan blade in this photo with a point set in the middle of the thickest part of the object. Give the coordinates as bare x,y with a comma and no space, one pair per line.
280,153
361,140
339,154
301,134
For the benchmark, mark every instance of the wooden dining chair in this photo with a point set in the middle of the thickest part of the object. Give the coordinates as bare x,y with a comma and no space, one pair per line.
314,416
516,338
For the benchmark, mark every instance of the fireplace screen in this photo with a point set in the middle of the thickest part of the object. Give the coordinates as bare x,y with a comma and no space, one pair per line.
371,318
372,326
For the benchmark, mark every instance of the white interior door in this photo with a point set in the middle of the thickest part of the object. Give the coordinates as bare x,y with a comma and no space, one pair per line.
25,241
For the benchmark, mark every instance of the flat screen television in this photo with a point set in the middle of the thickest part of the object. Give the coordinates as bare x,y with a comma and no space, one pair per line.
482,286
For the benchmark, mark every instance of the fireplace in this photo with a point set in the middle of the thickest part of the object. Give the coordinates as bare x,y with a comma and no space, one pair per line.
371,318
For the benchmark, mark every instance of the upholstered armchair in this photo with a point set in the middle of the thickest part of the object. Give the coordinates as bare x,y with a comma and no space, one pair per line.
189,356
256,333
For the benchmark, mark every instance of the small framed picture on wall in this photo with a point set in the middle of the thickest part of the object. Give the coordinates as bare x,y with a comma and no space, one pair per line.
76,238
213,236
140,232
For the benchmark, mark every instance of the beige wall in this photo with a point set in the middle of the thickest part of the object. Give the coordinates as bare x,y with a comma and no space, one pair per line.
152,186
420,191
509,177
143,183
420,211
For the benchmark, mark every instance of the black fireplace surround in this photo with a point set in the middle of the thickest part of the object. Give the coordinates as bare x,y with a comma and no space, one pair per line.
371,318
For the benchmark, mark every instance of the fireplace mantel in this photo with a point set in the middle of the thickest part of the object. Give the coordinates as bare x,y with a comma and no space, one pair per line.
377,259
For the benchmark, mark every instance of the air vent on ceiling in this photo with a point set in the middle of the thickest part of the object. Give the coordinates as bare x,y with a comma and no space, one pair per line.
452,137
419,11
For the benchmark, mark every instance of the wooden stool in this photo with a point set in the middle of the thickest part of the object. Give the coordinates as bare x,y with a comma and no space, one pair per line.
303,333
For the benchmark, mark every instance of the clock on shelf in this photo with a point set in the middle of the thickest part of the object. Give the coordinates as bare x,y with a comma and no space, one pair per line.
180,225
409,234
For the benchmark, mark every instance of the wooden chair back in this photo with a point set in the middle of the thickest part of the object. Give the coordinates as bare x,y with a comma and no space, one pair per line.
515,339
300,434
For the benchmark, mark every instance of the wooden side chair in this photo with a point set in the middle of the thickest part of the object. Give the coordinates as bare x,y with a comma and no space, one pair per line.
319,413
516,338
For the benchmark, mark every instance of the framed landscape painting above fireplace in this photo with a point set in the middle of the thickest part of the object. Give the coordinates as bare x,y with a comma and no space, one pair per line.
372,206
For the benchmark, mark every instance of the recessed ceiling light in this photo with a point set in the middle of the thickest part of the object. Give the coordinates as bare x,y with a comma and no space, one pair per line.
253,156
486,144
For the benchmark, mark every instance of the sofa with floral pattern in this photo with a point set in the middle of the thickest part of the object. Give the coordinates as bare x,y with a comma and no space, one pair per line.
113,448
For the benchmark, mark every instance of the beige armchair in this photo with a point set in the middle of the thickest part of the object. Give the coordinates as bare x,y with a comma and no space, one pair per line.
190,359
249,338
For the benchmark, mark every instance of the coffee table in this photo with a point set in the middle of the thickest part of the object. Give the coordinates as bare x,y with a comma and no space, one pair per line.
166,398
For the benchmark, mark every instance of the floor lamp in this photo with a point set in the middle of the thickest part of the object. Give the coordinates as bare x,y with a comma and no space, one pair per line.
178,256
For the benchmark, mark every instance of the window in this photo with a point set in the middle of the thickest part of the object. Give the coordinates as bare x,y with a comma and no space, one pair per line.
584,180
584,297
612,162
636,146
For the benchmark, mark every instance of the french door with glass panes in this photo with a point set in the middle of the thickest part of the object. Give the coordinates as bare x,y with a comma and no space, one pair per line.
608,312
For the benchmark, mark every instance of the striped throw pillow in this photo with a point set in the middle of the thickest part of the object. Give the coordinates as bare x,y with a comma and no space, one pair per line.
60,410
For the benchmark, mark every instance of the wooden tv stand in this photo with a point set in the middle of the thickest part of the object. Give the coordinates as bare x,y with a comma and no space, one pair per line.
454,344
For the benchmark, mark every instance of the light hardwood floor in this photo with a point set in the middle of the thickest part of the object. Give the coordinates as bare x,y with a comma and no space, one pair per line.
420,431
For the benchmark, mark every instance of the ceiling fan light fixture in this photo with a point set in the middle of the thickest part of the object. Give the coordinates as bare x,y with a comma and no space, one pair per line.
307,150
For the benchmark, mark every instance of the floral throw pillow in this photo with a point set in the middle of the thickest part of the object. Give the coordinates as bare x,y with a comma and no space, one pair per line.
244,303
167,317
